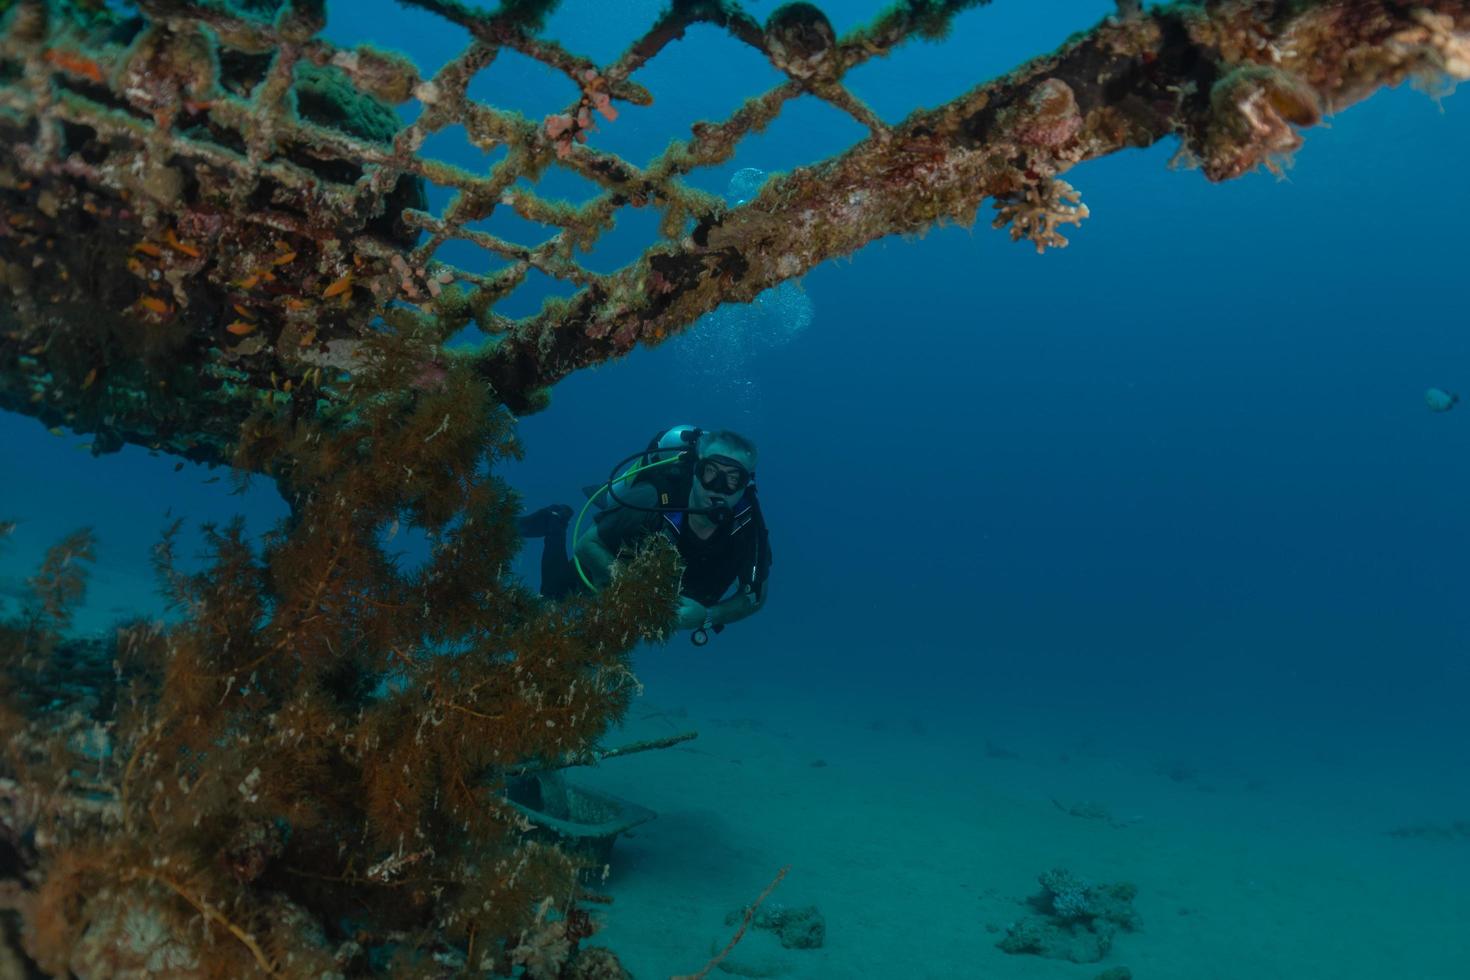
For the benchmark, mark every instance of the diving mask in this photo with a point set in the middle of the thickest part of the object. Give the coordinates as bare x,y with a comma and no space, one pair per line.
721,474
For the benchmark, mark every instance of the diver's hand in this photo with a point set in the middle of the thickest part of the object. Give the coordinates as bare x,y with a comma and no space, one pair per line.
691,615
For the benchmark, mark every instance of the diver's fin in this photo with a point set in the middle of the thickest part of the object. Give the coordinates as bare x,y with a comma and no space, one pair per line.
594,493
546,521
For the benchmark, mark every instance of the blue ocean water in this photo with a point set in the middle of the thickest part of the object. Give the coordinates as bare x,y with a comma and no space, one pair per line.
1169,498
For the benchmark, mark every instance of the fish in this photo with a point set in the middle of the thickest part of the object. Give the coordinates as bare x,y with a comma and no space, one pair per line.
339,287
174,243
1440,400
76,64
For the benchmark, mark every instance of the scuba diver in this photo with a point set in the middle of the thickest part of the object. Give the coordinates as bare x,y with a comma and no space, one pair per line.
696,488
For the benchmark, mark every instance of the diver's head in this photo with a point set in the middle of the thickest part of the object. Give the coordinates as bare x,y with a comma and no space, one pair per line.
724,466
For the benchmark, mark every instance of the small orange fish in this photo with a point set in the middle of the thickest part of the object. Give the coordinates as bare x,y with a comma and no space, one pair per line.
91,377
295,304
155,305
249,281
284,259
242,311
339,287
148,248
178,246
308,337
75,64
240,328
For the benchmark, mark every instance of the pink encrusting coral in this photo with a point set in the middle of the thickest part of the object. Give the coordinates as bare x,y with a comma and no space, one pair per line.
566,128
1048,117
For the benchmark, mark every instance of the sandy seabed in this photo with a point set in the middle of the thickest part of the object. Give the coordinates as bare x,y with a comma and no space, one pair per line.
920,844
920,831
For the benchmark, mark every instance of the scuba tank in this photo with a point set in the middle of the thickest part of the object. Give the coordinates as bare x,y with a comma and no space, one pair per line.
664,450
663,447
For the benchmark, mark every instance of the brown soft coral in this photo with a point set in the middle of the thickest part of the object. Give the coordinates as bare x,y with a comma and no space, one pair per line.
1254,114
324,734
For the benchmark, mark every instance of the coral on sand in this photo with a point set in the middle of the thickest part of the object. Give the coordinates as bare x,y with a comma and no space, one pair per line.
1455,830
1076,920
802,927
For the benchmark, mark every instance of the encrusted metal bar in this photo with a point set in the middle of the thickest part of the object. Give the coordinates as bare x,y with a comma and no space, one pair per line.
1234,81
204,211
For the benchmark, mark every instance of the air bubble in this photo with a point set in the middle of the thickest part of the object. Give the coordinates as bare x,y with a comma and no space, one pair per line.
720,352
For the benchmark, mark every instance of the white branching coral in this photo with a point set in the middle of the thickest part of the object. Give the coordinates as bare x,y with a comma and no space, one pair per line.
545,947
1037,211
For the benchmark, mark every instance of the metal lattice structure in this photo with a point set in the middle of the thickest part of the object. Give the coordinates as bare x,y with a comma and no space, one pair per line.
206,207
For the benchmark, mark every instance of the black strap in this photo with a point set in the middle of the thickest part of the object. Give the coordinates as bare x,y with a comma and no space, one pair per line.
762,569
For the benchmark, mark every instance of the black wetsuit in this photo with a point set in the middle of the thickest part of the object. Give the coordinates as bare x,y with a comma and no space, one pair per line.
738,551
